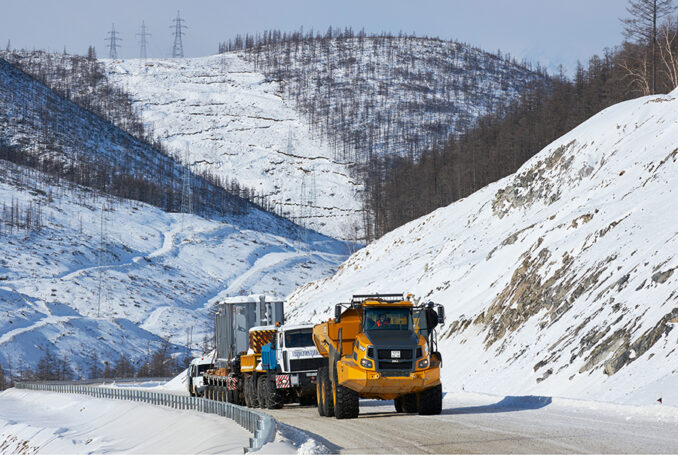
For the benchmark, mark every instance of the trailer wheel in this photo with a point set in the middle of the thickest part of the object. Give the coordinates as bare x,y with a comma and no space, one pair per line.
409,403
262,391
398,403
431,401
326,391
250,392
274,399
346,402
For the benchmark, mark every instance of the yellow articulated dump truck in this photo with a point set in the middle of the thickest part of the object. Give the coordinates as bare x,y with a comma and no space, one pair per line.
379,346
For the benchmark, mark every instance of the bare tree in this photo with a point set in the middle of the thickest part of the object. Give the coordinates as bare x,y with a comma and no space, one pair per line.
667,40
641,28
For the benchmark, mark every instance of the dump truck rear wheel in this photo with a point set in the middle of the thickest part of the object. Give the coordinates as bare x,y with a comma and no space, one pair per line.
346,402
398,403
319,396
326,391
409,403
431,401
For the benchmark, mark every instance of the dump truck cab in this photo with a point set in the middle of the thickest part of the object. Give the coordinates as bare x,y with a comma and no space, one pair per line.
378,346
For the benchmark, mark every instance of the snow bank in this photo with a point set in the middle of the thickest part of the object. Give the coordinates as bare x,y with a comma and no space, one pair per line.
43,422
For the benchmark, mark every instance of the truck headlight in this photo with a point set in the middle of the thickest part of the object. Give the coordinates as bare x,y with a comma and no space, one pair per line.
365,363
423,363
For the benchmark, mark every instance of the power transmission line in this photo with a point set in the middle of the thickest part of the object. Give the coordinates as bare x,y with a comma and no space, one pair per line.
100,262
178,48
187,192
142,40
113,38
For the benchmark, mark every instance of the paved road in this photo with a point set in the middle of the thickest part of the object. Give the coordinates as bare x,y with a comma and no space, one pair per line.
490,425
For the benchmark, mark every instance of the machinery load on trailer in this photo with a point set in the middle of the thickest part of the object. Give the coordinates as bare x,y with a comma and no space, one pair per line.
383,347
259,360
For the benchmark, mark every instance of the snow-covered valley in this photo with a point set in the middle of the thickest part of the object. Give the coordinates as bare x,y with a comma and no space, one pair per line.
104,277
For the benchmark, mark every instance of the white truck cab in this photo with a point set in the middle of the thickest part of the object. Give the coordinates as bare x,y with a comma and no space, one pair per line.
296,355
195,383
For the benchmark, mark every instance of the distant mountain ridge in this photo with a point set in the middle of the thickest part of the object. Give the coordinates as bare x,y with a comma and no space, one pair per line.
387,94
296,120
43,129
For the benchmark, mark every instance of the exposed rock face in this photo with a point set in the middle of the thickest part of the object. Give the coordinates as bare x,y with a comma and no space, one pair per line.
531,184
628,352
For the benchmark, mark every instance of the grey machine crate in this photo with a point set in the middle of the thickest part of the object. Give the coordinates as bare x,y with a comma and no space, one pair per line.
235,319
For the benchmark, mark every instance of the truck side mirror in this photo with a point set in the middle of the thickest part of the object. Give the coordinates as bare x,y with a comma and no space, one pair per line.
441,314
337,313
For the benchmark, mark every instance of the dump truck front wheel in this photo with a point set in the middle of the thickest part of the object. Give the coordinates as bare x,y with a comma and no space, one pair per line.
431,401
346,402
409,403
398,403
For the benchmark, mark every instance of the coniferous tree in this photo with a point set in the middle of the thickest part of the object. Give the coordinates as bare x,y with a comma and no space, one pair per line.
3,384
123,368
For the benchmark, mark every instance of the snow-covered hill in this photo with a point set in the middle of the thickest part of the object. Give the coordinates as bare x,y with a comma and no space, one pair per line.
558,280
230,121
89,276
385,94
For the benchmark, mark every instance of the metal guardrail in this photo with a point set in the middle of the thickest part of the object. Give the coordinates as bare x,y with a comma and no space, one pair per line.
262,426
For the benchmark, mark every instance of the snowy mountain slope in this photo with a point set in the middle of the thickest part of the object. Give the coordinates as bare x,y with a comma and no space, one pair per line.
232,122
42,129
558,280
100,276
389,95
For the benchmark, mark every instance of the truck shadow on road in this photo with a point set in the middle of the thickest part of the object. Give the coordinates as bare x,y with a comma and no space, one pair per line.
506,404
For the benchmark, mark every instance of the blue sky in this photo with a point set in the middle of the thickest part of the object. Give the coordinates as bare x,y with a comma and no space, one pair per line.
546,31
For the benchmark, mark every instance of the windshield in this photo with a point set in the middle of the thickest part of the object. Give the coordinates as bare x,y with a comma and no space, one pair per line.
204,367
299,338
388,319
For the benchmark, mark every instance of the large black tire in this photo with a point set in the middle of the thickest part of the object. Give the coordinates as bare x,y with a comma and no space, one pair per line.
346,402
409,403
262,390
250,392
319,396
398,403
326,391
274,399
431,401
230,395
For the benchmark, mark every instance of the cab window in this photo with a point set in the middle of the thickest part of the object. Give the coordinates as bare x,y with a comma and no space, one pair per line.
388,319
299,338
